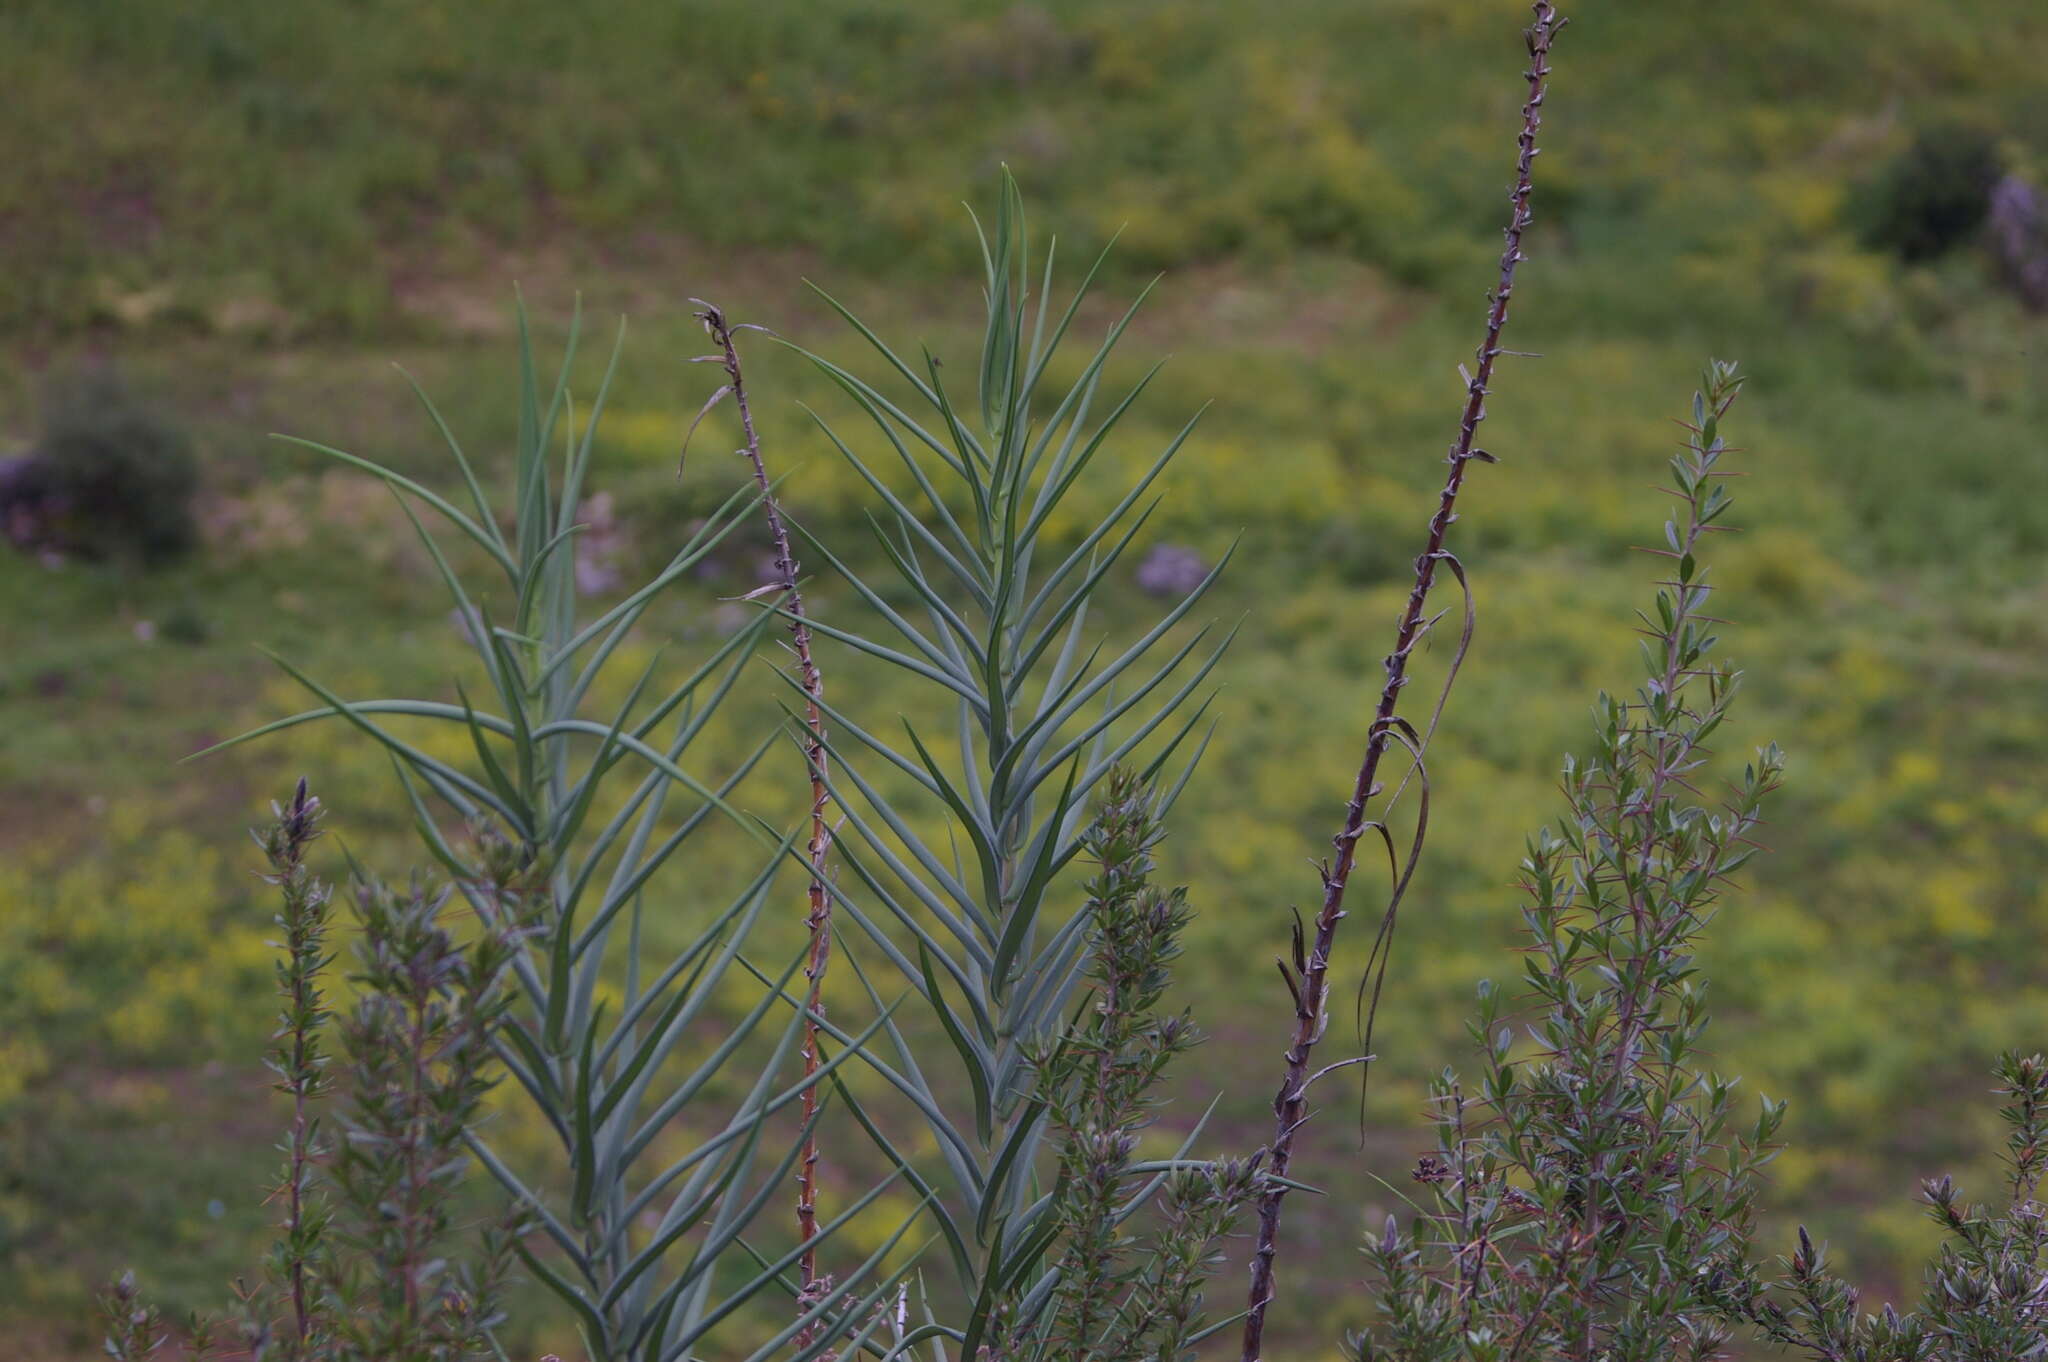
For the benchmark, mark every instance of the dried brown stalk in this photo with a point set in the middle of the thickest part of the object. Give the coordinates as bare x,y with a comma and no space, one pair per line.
818,917
1310,982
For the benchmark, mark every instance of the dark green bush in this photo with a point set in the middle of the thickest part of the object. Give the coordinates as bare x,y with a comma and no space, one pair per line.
1935,194
115,476
186,623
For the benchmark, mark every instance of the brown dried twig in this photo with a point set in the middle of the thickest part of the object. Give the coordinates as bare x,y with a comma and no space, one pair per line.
818,918
1309,982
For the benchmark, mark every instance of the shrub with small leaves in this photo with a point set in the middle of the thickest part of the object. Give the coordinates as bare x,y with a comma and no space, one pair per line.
1935,194
1589,1194
1987,1289
368,1261
418,1050
112,477
135,1328
299,1059
1117,1298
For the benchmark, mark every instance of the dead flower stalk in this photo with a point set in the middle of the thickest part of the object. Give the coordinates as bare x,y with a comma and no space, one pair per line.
818,917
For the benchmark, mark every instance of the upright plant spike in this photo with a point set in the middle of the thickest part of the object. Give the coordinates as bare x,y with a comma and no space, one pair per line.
1309,980
300,1064
1042,717
1115,1298
418,1046
608,1080
817,851
134,1328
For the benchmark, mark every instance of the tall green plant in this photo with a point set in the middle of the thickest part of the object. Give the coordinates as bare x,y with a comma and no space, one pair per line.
608,1084
299,1059
996,626
1589,1196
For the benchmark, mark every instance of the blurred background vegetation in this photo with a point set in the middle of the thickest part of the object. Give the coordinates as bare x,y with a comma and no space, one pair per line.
250,210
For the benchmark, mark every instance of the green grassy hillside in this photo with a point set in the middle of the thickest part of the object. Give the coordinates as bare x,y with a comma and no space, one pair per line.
254,208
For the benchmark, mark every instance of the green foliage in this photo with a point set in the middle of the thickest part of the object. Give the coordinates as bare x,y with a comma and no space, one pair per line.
299,1059
1041,719
1987,1288
364,1262
135,1329
1935,194
263,175
608,1085
418,1048
1121,1298
113,477
256,207
1593,1193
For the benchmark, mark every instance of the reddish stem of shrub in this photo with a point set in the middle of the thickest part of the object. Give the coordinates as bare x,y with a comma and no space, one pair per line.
818,917
1290,1106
